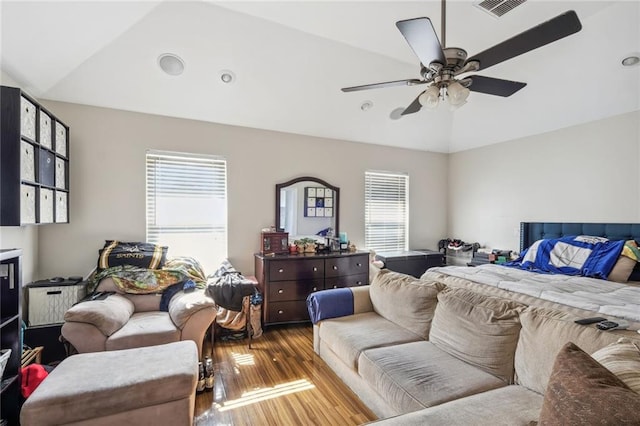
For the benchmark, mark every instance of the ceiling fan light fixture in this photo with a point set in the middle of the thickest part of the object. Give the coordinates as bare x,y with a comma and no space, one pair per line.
457,94
430,97
171,64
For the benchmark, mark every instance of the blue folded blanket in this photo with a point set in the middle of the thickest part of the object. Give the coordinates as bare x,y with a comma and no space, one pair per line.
331,303
572,255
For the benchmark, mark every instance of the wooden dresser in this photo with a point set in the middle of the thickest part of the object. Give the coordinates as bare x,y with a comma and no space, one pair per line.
286,280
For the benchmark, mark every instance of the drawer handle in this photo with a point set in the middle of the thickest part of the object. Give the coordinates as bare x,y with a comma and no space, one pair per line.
281,312
281,270
359,283
335,268
315,269
280,291
54,292
315,289
358,264
335,286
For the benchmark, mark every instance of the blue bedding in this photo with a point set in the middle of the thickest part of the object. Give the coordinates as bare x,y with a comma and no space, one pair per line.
572,255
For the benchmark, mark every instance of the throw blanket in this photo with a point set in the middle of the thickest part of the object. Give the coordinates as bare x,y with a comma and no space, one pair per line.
574,255
136,280
332,303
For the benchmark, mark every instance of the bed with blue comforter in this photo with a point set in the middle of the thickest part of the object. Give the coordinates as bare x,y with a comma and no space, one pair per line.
565,263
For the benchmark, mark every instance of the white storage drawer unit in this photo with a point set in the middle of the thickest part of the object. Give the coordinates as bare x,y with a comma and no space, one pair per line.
48,301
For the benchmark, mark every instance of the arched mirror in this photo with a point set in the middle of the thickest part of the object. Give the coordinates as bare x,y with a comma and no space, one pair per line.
307,206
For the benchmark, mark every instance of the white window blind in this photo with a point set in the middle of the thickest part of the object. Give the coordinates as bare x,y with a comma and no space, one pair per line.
386,211
187,205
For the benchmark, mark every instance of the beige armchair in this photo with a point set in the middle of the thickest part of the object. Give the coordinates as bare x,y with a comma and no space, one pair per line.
124,321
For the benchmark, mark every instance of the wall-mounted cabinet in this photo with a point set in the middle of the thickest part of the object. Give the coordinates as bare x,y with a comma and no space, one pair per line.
34,177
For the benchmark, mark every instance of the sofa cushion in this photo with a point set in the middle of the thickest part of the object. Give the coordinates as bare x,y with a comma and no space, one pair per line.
581,391
506,406
144,329
622,358
108,315
478,329
405,300
348,336
416,375
544,332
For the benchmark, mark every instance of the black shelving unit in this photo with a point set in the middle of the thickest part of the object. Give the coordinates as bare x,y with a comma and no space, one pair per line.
34,177
10,322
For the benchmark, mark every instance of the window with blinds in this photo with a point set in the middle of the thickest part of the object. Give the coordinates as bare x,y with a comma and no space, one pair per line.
187,205
386,211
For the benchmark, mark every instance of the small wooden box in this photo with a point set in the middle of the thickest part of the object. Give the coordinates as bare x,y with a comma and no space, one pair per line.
274,242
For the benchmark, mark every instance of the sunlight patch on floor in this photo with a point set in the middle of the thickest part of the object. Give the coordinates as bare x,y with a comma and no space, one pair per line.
243,359
259,395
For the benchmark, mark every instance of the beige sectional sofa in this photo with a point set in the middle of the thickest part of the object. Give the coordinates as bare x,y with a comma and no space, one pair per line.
417,352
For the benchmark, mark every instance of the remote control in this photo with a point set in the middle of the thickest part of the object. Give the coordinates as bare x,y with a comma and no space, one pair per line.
592,320
613,325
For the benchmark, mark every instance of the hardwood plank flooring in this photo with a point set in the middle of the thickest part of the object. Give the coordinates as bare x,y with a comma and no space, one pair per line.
280,381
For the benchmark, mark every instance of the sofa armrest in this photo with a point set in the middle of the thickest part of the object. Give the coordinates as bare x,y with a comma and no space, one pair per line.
108,315
183,305
339,302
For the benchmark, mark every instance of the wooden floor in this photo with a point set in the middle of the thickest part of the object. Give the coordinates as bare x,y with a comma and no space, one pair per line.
280,381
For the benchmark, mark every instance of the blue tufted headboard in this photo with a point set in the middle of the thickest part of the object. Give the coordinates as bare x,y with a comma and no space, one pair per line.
530,232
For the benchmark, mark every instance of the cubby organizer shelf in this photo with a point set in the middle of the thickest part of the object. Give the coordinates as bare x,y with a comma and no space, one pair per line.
34,182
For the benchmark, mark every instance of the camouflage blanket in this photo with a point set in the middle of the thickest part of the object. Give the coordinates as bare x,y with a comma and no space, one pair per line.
136,280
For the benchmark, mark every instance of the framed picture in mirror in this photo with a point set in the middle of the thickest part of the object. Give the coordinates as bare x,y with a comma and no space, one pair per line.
318,201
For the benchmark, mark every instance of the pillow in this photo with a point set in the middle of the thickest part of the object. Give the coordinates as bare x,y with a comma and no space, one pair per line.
544,333
581,392
622,270
622,358
626,263
478,329
405,300
143,255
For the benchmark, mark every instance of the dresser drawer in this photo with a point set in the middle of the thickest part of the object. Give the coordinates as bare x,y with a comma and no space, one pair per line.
347,281
305,269
350,265
287,311
293,290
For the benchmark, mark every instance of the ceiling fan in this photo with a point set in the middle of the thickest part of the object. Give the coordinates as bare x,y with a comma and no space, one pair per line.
440,66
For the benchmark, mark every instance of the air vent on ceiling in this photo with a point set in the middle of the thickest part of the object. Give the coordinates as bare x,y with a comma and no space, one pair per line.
498,8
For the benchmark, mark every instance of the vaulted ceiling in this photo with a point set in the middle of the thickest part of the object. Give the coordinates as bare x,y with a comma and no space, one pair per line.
290,60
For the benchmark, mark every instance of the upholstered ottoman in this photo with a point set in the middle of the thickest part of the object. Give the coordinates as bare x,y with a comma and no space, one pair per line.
149,385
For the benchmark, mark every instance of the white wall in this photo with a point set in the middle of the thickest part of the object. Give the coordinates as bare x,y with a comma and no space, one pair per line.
107,181
586,173
24,237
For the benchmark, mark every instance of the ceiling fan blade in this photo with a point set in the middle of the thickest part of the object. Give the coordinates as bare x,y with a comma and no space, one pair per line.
414,107
494,86
422,39
408,82
552,30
